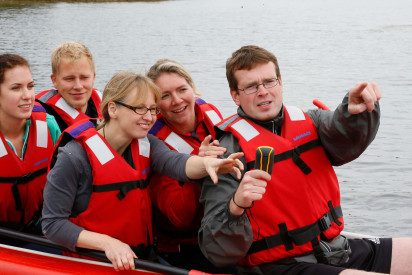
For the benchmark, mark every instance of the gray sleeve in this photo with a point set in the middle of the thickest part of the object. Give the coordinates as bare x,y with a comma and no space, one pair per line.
67,191
345,136
223,238
167,162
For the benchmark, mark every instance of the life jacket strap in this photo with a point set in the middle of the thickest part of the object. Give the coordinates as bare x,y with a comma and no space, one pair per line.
318,252
25,178
224,124
286,240
299,162
21,226
146,252
21,180
123,187
294,154
335,215
298,236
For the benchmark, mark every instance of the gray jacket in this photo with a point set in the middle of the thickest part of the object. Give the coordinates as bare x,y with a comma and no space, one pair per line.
225,238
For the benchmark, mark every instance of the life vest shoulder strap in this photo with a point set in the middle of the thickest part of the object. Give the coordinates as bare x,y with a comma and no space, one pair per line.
44,96
225,123
212,115
38,108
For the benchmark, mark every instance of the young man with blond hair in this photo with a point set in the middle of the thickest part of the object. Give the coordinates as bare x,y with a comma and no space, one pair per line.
73,97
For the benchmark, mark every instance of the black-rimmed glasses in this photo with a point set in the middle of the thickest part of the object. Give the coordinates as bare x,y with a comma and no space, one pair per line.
140,110
267,84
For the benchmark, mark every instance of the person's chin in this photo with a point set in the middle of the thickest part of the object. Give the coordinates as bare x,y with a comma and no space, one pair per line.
77,104
264,117
141,135
25,116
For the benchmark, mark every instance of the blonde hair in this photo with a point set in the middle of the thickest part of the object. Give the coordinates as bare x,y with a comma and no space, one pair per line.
171,66
73,51
119,87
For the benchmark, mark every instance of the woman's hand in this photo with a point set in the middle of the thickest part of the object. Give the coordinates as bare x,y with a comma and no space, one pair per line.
211,149
120,254
216,166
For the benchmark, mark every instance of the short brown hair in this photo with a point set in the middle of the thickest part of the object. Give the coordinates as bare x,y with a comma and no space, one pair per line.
9,61
246,58
73,51
120,85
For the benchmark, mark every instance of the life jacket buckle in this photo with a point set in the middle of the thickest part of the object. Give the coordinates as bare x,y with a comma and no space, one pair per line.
325,222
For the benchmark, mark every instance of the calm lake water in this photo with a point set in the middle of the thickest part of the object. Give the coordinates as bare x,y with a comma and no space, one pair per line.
323,48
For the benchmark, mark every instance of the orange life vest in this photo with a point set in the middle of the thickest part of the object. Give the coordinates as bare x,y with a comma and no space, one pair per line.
185,143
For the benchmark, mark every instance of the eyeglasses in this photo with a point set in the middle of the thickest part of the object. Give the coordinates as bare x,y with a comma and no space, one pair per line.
140,110
267,84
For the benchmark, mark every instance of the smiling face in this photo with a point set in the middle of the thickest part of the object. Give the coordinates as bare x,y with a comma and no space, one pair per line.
16,94
265,104
131,124
177,103
74,81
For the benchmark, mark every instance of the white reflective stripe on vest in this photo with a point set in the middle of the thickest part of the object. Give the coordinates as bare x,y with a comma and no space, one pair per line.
144,147
42,133
99,94
62,104
100,149
246,130
3,150
214,117
179,143
295,113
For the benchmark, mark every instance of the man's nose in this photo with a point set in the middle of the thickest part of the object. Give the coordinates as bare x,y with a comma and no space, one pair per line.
77,84
261,90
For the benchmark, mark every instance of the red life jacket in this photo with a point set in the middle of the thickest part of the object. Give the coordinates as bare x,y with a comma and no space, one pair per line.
22,181
208,117
67,113
120,204
303,196
179,225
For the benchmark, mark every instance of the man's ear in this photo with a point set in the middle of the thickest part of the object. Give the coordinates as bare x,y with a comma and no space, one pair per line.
53,79
280,80
235,97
